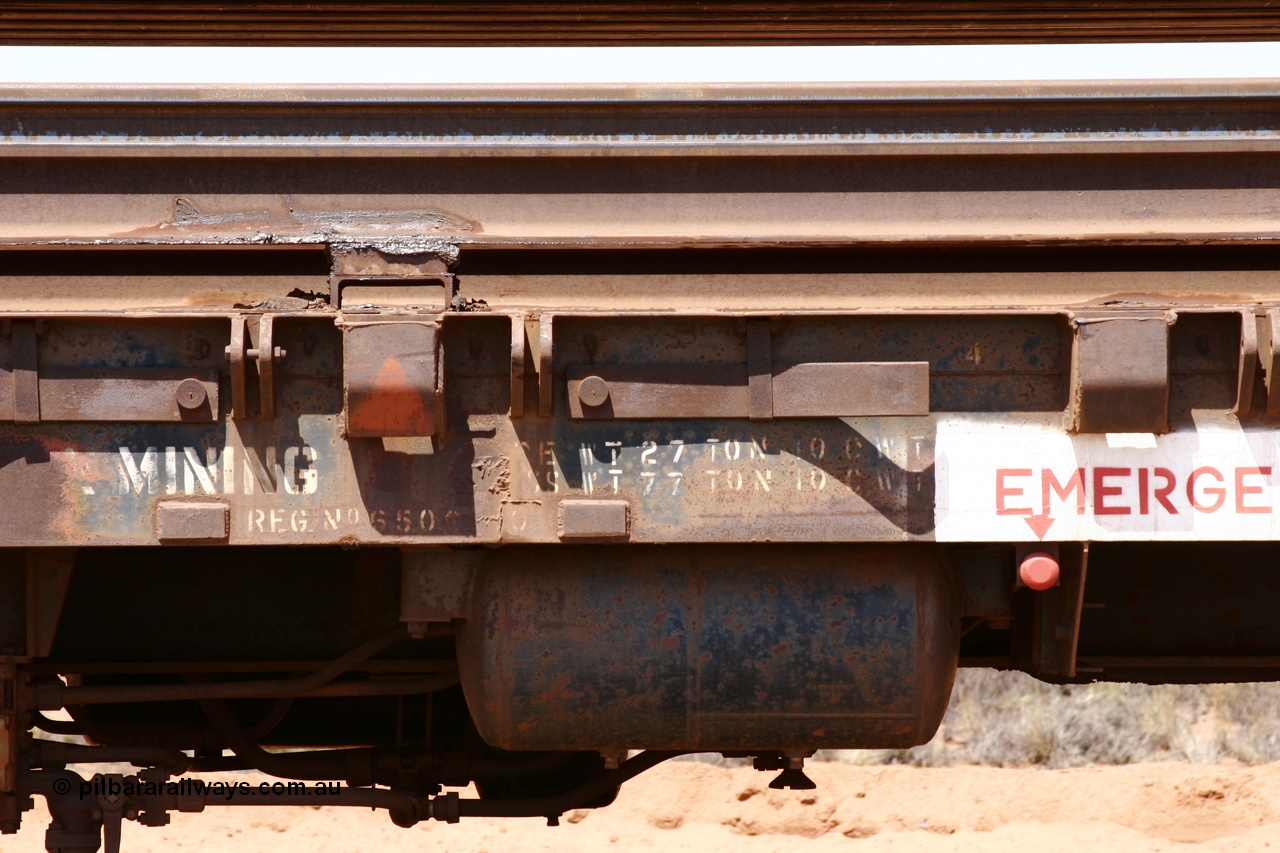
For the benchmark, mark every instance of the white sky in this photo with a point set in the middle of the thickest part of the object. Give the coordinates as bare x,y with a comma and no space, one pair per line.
221,65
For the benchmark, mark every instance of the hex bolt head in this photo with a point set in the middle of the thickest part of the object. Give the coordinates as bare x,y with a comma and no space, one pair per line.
593,391
191,394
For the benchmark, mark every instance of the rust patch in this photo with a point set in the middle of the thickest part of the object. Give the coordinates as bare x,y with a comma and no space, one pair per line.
394,406
297,220
496,470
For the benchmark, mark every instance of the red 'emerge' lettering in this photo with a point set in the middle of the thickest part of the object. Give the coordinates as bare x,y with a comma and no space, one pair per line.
1075,483
1101,491
1004,491
1218,493
1162,493
1242,489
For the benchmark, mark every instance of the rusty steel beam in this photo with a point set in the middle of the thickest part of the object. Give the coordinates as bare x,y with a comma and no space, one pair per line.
608,22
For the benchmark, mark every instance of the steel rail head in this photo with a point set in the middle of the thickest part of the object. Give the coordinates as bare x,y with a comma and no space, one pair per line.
650,22
364,124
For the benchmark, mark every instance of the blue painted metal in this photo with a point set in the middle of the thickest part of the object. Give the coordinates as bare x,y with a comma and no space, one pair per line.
710,648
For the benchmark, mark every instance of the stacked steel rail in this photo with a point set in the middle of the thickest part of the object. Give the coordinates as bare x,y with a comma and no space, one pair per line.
607,22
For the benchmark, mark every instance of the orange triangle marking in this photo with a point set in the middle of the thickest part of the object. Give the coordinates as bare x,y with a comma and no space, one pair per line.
392,406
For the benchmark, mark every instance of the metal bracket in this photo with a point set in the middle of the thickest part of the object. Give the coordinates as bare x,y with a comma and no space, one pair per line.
594,519
758,390
1050,638
1121,373
264,356
1249,359
393,378
518,347
546,342
25,374
184,521
48,579
31,393
812,390
1269,351
435,586
368,265
236,358
760,368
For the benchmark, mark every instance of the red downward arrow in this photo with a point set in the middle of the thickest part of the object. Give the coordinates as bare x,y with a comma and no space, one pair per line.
1039,524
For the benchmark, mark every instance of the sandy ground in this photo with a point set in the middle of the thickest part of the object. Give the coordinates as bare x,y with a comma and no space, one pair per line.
698,807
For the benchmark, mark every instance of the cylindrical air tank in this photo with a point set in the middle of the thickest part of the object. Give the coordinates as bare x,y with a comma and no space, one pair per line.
715,647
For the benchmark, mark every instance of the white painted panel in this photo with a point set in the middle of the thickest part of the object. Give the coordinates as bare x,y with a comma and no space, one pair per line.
1009,481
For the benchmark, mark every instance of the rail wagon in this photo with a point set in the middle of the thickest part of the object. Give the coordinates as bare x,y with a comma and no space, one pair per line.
393,440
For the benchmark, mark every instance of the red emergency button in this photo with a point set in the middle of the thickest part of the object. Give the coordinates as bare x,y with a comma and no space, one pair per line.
1039,570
